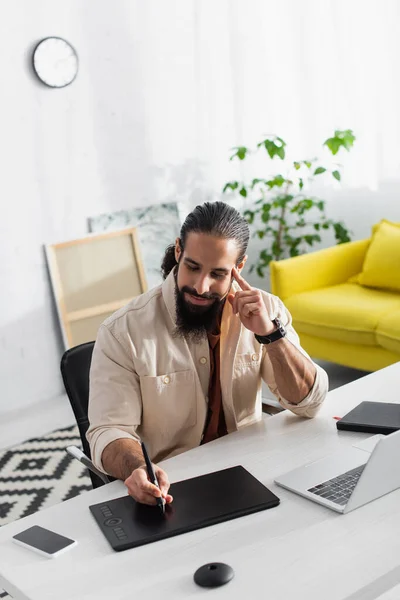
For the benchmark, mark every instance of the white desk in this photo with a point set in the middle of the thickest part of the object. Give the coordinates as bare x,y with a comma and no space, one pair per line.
297,550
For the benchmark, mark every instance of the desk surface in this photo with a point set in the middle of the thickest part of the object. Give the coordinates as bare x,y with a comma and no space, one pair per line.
296,550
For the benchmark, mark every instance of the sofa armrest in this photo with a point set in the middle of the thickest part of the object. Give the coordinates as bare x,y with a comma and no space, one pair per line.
322,268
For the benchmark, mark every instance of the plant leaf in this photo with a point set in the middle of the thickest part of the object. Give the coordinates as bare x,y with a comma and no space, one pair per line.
249,216
336,175
294,251
273,148
319,170
310,239
231,185
240,153
260,271
341,233
343,138
266,257
255,182
333,144
281,153
277,181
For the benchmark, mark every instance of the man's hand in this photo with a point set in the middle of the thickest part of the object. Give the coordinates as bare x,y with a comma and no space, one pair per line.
140,488
249,305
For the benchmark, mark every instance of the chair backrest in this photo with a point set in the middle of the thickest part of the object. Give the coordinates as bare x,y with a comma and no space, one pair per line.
75,367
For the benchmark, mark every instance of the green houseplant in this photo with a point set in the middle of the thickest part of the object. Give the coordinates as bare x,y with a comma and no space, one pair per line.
281,208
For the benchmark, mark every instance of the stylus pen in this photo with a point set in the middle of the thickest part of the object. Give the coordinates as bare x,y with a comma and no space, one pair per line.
152,476
79,455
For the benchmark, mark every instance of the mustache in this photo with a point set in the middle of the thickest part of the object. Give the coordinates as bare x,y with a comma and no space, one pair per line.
208,296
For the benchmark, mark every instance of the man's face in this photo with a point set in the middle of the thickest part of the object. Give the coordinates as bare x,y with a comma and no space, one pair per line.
204,277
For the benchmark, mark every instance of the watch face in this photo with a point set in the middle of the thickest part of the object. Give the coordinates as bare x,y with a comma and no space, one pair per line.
55,62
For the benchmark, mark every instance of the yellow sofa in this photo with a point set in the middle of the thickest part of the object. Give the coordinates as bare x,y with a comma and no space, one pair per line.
336,317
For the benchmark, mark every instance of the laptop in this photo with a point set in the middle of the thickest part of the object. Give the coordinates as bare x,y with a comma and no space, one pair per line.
352,478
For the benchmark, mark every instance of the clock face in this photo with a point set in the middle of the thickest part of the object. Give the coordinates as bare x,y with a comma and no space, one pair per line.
55,62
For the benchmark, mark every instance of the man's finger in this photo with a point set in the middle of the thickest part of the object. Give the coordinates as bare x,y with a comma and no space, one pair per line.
163,481
137,490
243,297
145,499
150,488
235,299
250,309
243,300
242,282
142,483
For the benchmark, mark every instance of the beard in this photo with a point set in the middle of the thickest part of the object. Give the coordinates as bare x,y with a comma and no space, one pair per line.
193,322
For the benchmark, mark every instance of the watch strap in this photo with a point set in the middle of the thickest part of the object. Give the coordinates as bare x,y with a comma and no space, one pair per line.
278,334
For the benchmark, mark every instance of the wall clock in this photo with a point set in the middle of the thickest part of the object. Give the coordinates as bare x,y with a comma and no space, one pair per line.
55,62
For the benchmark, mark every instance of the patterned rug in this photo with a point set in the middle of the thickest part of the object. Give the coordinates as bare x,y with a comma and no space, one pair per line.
39,473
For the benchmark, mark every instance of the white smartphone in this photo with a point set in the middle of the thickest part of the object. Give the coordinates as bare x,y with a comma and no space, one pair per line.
43,541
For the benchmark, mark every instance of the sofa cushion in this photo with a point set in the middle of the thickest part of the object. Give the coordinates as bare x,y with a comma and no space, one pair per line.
388,331
347,312
381,268
375,227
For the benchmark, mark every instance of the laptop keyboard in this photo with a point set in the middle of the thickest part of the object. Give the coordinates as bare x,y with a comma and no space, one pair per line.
338,489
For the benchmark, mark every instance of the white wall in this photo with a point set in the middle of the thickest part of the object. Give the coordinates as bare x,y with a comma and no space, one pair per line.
124,134
157,104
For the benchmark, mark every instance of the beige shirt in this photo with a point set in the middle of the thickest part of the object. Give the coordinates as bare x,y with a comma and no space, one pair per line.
146,383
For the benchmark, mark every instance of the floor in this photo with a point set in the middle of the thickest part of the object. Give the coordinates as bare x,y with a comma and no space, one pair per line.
42,418
35,421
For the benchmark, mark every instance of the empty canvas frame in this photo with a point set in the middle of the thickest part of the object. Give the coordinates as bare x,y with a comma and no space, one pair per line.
92,277
158,226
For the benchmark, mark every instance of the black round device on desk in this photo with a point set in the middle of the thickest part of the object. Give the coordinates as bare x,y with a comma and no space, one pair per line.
213,575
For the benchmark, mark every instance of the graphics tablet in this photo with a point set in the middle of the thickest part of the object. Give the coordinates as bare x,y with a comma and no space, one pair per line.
372,417
198,502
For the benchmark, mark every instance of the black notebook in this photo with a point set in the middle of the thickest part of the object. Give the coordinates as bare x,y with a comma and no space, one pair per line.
198,502
372,417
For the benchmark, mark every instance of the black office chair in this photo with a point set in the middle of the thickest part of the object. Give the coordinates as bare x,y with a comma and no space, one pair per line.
75,367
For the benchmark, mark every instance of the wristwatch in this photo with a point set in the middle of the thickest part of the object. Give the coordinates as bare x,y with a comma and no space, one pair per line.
279,333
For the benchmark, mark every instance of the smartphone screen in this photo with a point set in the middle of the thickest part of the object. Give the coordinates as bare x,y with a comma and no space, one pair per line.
43,539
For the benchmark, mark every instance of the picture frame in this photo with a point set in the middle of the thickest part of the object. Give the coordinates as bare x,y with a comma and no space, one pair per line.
92,277
158,225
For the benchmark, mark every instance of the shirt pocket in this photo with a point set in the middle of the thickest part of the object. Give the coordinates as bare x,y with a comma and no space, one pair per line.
249,360
168,403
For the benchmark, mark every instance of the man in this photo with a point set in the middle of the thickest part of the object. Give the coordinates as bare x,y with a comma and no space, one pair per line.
181,365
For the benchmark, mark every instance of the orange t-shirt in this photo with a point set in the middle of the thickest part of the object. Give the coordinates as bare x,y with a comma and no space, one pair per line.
215,426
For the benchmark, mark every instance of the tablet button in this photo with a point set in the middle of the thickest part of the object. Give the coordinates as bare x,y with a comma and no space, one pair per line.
112,522
120,533
106,511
